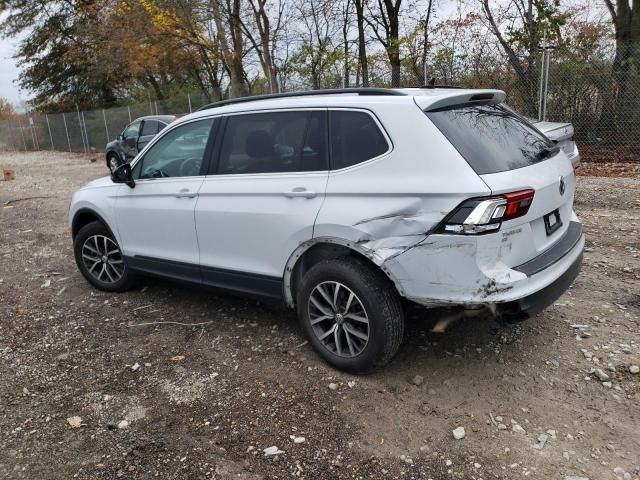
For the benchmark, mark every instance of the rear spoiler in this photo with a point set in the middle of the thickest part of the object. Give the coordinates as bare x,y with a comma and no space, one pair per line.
428,102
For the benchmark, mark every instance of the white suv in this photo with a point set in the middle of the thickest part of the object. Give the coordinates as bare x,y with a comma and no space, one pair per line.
343,204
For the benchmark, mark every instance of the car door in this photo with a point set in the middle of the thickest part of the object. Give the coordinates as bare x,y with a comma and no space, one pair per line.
155,219
148,130
261,199
130,140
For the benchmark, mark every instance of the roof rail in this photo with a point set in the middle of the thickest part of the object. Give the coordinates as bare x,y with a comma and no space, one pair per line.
306,93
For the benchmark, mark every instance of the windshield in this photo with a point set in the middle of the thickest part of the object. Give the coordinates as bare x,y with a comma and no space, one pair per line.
492,138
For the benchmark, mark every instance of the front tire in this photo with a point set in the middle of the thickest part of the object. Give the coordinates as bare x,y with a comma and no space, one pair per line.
100,260
113,161
351,313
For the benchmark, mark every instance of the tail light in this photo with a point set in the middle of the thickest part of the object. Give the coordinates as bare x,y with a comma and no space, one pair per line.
485,215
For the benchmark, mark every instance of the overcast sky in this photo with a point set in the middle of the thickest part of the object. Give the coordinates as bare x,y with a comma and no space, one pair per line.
9,72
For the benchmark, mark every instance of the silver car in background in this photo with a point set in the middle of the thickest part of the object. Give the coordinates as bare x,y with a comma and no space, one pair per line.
562,134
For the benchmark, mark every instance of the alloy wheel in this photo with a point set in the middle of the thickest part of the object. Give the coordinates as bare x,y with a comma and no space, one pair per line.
103,259
338,319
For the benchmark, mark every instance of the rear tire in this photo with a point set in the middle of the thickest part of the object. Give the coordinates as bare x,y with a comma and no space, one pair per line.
100,260
359,329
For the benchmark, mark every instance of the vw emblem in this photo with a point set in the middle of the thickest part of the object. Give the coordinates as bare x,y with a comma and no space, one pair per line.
561,186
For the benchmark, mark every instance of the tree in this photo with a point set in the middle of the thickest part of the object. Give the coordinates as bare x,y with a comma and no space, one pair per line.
362,46
7,109
265,45
528,21
385,23
317,54
226,15
626,64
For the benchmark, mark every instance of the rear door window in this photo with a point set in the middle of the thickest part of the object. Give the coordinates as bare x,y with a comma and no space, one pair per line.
491,137
274,142
355,138
149,127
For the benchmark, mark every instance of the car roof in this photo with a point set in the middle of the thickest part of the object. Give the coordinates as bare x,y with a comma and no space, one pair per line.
425,98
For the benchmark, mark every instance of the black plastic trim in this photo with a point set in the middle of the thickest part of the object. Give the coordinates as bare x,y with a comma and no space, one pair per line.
90,212
185,272
307,93
550,256
530,306
248,284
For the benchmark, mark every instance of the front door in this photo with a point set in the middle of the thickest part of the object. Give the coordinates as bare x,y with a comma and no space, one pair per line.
262,197
155,219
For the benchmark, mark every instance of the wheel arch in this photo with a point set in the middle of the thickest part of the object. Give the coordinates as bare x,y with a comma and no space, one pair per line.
85,216
316,249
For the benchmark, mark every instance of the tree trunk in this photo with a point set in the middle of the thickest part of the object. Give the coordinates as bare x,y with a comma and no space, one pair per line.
425,49
232,59
393,50
626,69
362,47
345,39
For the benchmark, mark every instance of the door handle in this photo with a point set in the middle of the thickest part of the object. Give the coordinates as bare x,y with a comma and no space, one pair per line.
300,192
186,193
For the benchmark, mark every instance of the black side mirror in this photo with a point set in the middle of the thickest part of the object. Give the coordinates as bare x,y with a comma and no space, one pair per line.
123,174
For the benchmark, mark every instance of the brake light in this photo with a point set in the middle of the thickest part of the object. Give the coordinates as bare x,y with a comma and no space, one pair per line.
485,215
518,204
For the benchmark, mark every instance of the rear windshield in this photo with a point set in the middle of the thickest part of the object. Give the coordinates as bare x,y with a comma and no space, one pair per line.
492,138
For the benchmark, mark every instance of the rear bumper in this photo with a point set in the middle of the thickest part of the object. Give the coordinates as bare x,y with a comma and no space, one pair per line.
454,271
533,304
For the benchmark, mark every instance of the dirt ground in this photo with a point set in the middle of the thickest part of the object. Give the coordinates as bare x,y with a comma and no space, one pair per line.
87,392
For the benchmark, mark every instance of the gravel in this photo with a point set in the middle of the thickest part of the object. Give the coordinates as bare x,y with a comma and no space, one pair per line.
459,433
207,400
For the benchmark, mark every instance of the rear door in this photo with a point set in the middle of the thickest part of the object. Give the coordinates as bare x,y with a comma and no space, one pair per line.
148,130
262,197
509,155
130,139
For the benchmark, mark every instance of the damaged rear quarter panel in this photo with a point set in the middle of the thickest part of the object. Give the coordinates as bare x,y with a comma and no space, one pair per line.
386,206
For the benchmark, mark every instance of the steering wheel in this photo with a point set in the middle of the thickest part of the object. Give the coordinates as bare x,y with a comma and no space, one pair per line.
152,172
190,167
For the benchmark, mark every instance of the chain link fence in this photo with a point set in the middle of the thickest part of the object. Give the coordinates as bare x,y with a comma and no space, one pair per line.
85,130
602,105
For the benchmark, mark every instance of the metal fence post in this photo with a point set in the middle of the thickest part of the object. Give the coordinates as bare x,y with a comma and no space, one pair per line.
49,128
84,145
24,140
189,100
66,130
106,129
86,134
34,134
129,110
540,93
546,87
155,106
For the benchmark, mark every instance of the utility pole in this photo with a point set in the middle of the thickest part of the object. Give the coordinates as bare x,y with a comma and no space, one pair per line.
543,94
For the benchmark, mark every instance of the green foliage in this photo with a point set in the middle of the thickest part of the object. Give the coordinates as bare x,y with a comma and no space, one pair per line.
547,17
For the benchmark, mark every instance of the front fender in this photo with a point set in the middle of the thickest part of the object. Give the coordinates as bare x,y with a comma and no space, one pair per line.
97,203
